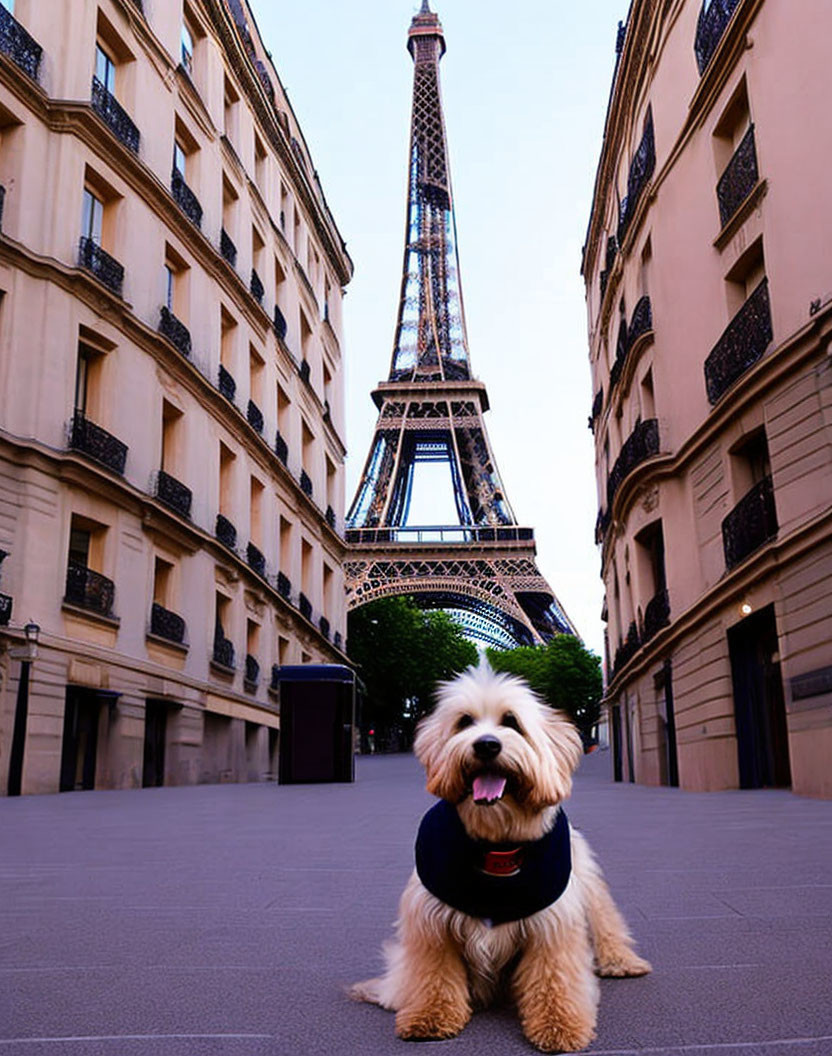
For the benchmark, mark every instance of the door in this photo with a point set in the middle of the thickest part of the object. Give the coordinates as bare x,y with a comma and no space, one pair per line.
80,739
617,762
155,732
759,705
668,757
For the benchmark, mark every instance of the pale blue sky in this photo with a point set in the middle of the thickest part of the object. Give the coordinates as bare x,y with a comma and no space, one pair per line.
525,92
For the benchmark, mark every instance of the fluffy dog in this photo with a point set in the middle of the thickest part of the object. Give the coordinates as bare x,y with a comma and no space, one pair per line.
504,891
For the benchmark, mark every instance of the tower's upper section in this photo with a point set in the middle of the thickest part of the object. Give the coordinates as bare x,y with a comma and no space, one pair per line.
431,343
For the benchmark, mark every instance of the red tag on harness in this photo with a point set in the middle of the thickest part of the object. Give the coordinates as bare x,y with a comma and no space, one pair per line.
503,863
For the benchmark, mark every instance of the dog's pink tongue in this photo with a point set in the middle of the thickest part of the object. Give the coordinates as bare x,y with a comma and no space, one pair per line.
488,787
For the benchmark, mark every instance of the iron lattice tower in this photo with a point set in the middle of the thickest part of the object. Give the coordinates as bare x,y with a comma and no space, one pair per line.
482,569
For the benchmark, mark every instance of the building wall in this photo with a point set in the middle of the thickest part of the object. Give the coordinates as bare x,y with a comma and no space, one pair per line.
700,261
161,350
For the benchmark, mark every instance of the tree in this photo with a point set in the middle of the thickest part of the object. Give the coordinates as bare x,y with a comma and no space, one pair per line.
401,652
563,672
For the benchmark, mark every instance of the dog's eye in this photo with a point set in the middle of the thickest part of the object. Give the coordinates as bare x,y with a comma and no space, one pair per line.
509,720
463,722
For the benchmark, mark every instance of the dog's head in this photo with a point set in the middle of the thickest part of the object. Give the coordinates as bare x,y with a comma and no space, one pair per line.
495,750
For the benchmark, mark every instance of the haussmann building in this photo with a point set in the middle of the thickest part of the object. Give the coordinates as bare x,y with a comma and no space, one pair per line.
709,292
171,396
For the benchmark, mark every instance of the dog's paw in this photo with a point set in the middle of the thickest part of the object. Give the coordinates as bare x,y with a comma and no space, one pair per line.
625,964
549,1037
430,1024
368,991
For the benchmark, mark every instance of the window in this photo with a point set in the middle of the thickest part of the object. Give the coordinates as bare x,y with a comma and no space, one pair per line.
306,567
162,582
179,158
230,110
750,462
171,429
228,340
256,512
256,371
260,165
227,459
283,646
284,206
105,69
92,216
187,49
285,546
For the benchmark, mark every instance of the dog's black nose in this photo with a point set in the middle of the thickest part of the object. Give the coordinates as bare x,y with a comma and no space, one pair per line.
487,747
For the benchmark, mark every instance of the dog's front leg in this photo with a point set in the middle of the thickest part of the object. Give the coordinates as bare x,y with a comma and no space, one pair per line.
555,988
434,991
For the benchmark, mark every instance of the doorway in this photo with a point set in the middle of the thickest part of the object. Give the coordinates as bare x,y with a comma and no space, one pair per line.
80,739
617,761
759,705
155,735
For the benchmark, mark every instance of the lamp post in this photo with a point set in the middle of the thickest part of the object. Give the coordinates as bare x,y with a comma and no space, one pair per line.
21,712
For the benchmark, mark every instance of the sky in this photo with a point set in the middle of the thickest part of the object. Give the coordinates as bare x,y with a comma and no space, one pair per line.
525,93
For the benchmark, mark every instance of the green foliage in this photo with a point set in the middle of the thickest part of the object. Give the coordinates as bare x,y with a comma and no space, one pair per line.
401,652
565,674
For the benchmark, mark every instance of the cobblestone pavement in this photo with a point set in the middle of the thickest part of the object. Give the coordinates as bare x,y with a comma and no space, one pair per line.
226,919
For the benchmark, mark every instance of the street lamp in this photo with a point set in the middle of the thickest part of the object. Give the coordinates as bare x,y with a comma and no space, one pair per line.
26,655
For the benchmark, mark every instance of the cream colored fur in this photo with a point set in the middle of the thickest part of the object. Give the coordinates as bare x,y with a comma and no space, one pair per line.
443,963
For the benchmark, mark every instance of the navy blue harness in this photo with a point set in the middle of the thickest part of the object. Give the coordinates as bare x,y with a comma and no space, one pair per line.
496,882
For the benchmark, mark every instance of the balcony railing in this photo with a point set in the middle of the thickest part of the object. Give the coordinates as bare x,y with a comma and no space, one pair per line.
92,440
226,384
752,522
223,650
641,322
641,169
741,345
226,532
254,416
15,42
227,248
627,650
305,606
252,670
88,589
105,268
5,609
440,534
279,323
330,517
656,615
337,640
713,21
323,623
173,493
256,560
256,287
597,405
175,331
281,449
114,115
284,586
166,624
185,198
602,523
305,483
739,179
641,444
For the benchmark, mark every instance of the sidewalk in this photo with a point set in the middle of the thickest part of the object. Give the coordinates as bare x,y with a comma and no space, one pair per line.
225,919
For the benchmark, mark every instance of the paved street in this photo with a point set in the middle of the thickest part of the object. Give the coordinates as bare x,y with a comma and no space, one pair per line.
225,919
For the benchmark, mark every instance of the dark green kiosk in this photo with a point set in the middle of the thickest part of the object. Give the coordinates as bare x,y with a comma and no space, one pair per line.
317,723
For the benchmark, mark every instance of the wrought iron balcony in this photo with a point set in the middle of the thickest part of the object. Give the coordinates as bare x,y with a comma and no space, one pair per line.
15,42
274,685
305,371
337,640
256,287
92,440
752,522
252,670
741,345
323,623
281,449
254,417
641,444
166,624
305,483
226,532
5,610
284,586
602,523
279,323
256,560
597,405
330,517
185,198
641,169
94,259
227,248
713,21
173,494
739,179
223,650
656,615
175,331
88,589
641,322
305,606
114,115
627,650
226,384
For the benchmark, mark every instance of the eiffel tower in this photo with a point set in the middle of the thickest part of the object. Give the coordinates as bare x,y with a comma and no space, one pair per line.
481,569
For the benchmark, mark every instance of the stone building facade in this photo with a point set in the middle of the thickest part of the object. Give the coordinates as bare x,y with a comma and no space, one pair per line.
171,394
709,293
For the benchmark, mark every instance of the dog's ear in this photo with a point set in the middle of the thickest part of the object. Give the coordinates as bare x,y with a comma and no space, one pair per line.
562,751
430,748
